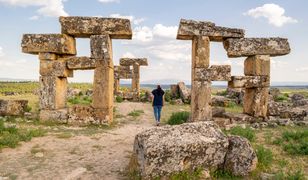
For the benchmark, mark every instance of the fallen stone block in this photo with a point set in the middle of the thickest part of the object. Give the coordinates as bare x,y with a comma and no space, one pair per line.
258,65
242,47
59,115
56,68
214,73
249,82
133,61
13,107
241,159
165,150
190,28
82,115
80,63
174,91
48,43
116,28
185,92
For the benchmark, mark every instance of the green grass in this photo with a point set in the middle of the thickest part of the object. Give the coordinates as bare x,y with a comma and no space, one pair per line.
248,133
10,136
281,98
167,96
222,174
265,157
234,108
178,118
83,100
136,113
119,99
297,175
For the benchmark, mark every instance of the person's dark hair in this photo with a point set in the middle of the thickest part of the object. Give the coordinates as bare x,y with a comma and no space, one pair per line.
159,89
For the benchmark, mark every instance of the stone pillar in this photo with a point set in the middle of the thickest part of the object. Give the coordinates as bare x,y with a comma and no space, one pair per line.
201,89
101,51
116,85
136,82
256,99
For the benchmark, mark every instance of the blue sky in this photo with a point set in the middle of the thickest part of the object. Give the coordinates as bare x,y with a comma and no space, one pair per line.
155,24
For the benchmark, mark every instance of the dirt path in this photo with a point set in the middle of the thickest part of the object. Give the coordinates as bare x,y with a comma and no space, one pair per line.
103,155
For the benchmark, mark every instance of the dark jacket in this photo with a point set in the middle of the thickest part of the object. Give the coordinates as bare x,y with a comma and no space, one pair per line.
158,97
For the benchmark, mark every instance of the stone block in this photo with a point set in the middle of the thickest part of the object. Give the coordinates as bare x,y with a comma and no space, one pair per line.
162,151
201,109
80,63
174,90
185,92
101,48
256,102
48,43
53,92
133,61
60,115
123,72
56,68
13,107
258,65
214,73
82,115
200,52
48,56
116,28
242,47
249,82
190,28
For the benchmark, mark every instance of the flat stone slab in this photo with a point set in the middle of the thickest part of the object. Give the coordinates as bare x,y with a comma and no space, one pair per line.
190,28
48,43
214,73
249,81
84,27
133,61
242,47
123,72
80,63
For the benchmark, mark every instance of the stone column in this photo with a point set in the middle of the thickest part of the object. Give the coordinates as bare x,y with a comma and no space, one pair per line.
116,85
101,51
201,89
256,99
136,82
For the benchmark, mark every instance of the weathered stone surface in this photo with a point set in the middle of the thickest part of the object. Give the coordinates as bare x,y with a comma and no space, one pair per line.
256,102
235,93
200,52
48,56
82,115
80,63
13,107
221,101
201,109
185,93
239,47
249,82
258,65
53,92
241,158
56,68
214,73
133,61
48,43
101,48
274,92
123,72
71,92
136,82
295,114
116,28
275,108
59,115
174,91
169,149
299,100
190,28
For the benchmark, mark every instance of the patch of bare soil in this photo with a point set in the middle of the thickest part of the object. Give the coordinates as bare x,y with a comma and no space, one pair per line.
103,155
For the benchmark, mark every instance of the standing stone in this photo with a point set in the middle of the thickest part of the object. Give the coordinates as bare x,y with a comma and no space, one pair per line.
116,85
258,65
174,89
201,109
101,51
53,92
256,101
185,92
136,82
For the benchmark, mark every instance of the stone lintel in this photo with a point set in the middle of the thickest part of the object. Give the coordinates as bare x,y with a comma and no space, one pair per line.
242,47
48,43
56,68
249,82
190,28
133,61
80,63
214,73
84,27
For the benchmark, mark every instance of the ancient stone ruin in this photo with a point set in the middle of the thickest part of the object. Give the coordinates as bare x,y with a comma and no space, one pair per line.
58,60
257,65
124,71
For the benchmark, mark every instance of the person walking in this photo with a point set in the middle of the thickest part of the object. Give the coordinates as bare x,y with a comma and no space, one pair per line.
158,103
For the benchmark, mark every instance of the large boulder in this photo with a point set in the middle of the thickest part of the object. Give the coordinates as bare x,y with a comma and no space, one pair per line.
235,93
185,92
299,100
13,107
162,151
240,159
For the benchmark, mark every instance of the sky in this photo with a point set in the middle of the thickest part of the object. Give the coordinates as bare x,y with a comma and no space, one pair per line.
154,24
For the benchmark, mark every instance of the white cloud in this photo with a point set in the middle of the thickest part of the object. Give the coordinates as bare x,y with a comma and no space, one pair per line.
135,21
273,13
1,52
34,18
276,64
48,8
128,55
165,31
302,69
143,34
109,1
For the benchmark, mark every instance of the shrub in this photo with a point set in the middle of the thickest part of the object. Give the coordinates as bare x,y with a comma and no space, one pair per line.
178,118
265,157
167,96
119,99
244,132
222,174
28,108
136,113
231,104
281,98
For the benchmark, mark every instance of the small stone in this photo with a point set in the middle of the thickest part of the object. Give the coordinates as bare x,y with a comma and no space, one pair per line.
39,155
